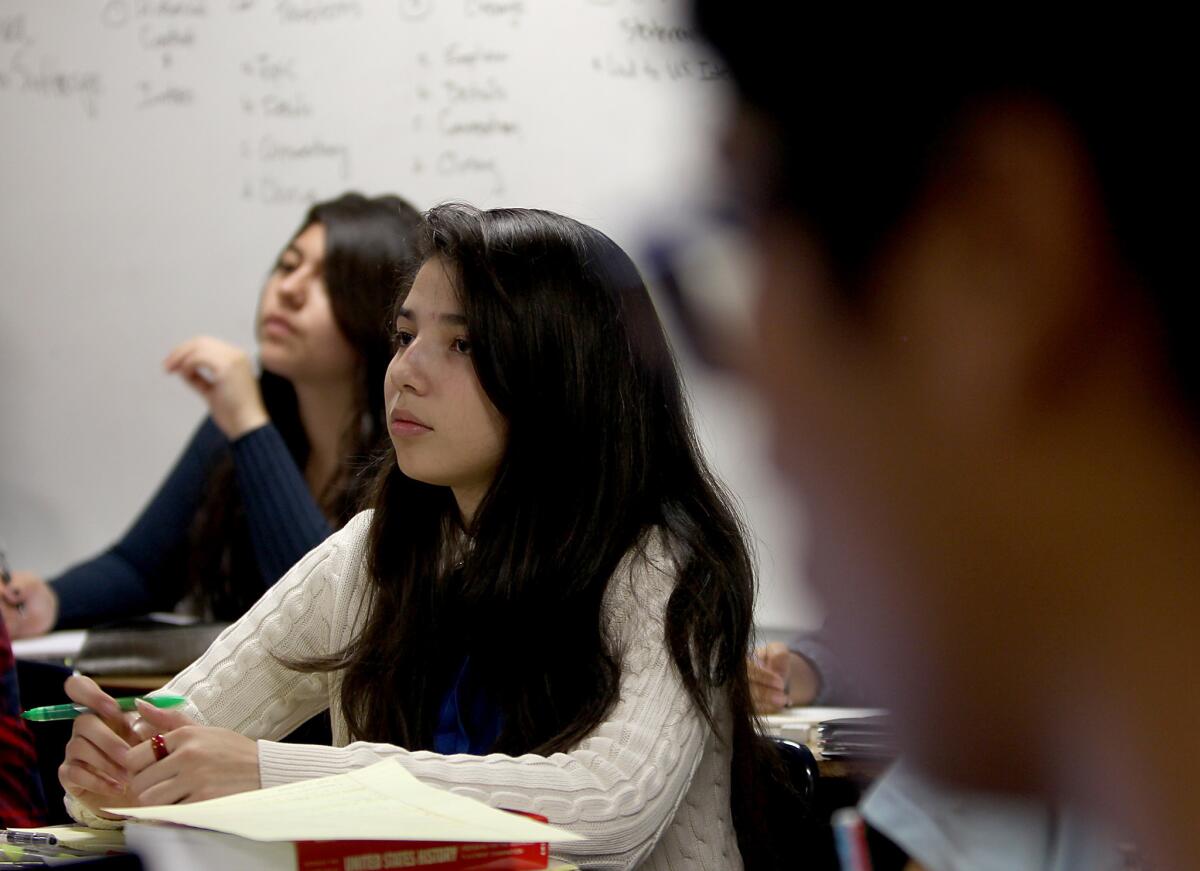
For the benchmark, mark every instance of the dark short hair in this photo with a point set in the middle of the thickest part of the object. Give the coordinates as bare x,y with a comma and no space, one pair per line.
860,109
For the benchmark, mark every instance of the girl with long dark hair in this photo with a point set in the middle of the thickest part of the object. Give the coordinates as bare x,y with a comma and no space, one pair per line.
549,606
275,467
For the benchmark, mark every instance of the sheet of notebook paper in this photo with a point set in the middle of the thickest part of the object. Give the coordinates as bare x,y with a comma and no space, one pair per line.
380,802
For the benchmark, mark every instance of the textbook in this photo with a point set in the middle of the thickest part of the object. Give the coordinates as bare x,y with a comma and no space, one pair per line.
181,848
155,644
145,647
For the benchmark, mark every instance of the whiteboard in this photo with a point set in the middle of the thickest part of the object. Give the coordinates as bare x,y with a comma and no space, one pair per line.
157,154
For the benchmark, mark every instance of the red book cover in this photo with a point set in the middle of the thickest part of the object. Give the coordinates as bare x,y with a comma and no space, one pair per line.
435,855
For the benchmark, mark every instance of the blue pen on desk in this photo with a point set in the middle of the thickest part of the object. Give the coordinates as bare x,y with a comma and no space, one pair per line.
6,577
850,832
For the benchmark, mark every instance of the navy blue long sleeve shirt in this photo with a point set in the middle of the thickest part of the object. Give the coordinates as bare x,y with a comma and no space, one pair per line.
838,688
138,574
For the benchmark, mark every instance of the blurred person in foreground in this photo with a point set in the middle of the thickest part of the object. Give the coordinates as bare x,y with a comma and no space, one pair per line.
971,330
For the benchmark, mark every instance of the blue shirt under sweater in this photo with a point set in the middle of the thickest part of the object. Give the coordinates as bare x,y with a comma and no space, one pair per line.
136,575
469,722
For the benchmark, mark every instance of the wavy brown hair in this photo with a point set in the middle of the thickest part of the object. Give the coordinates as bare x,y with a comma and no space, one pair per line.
370,245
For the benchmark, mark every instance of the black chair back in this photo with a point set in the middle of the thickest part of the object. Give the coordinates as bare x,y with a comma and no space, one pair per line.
796,835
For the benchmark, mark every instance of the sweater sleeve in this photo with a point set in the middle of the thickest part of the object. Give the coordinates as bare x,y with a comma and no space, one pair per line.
133,576
239,683
284,518
620,787
837,687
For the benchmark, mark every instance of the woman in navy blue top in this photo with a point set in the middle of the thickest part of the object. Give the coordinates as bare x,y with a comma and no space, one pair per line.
274,468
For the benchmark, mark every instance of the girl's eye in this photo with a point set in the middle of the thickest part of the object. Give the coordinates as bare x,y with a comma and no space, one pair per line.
286,266
404,338
462,346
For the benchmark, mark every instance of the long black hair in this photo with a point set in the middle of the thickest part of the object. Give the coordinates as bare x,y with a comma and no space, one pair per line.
601,455
370,244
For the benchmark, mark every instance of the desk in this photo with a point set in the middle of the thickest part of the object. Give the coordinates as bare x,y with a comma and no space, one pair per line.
131,684
861,771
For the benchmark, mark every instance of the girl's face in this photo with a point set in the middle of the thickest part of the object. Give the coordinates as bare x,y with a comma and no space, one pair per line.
445,430
298,336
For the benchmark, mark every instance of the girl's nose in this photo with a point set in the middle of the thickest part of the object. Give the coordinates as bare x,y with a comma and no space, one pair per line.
293,289
407,370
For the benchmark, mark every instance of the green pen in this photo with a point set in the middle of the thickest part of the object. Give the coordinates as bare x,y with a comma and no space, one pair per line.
70,712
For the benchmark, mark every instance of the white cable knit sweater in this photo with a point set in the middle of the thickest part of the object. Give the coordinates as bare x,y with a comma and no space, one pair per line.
649,788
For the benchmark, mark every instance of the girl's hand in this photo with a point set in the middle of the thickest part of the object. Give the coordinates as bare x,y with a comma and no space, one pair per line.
95,768
769,678
40,611
224,376
780,679
202,761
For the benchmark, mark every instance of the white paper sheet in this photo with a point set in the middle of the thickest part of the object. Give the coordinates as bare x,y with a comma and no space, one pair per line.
56,645
380,802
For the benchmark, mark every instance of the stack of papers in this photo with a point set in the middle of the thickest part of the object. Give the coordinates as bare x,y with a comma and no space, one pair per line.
856,738
800,724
